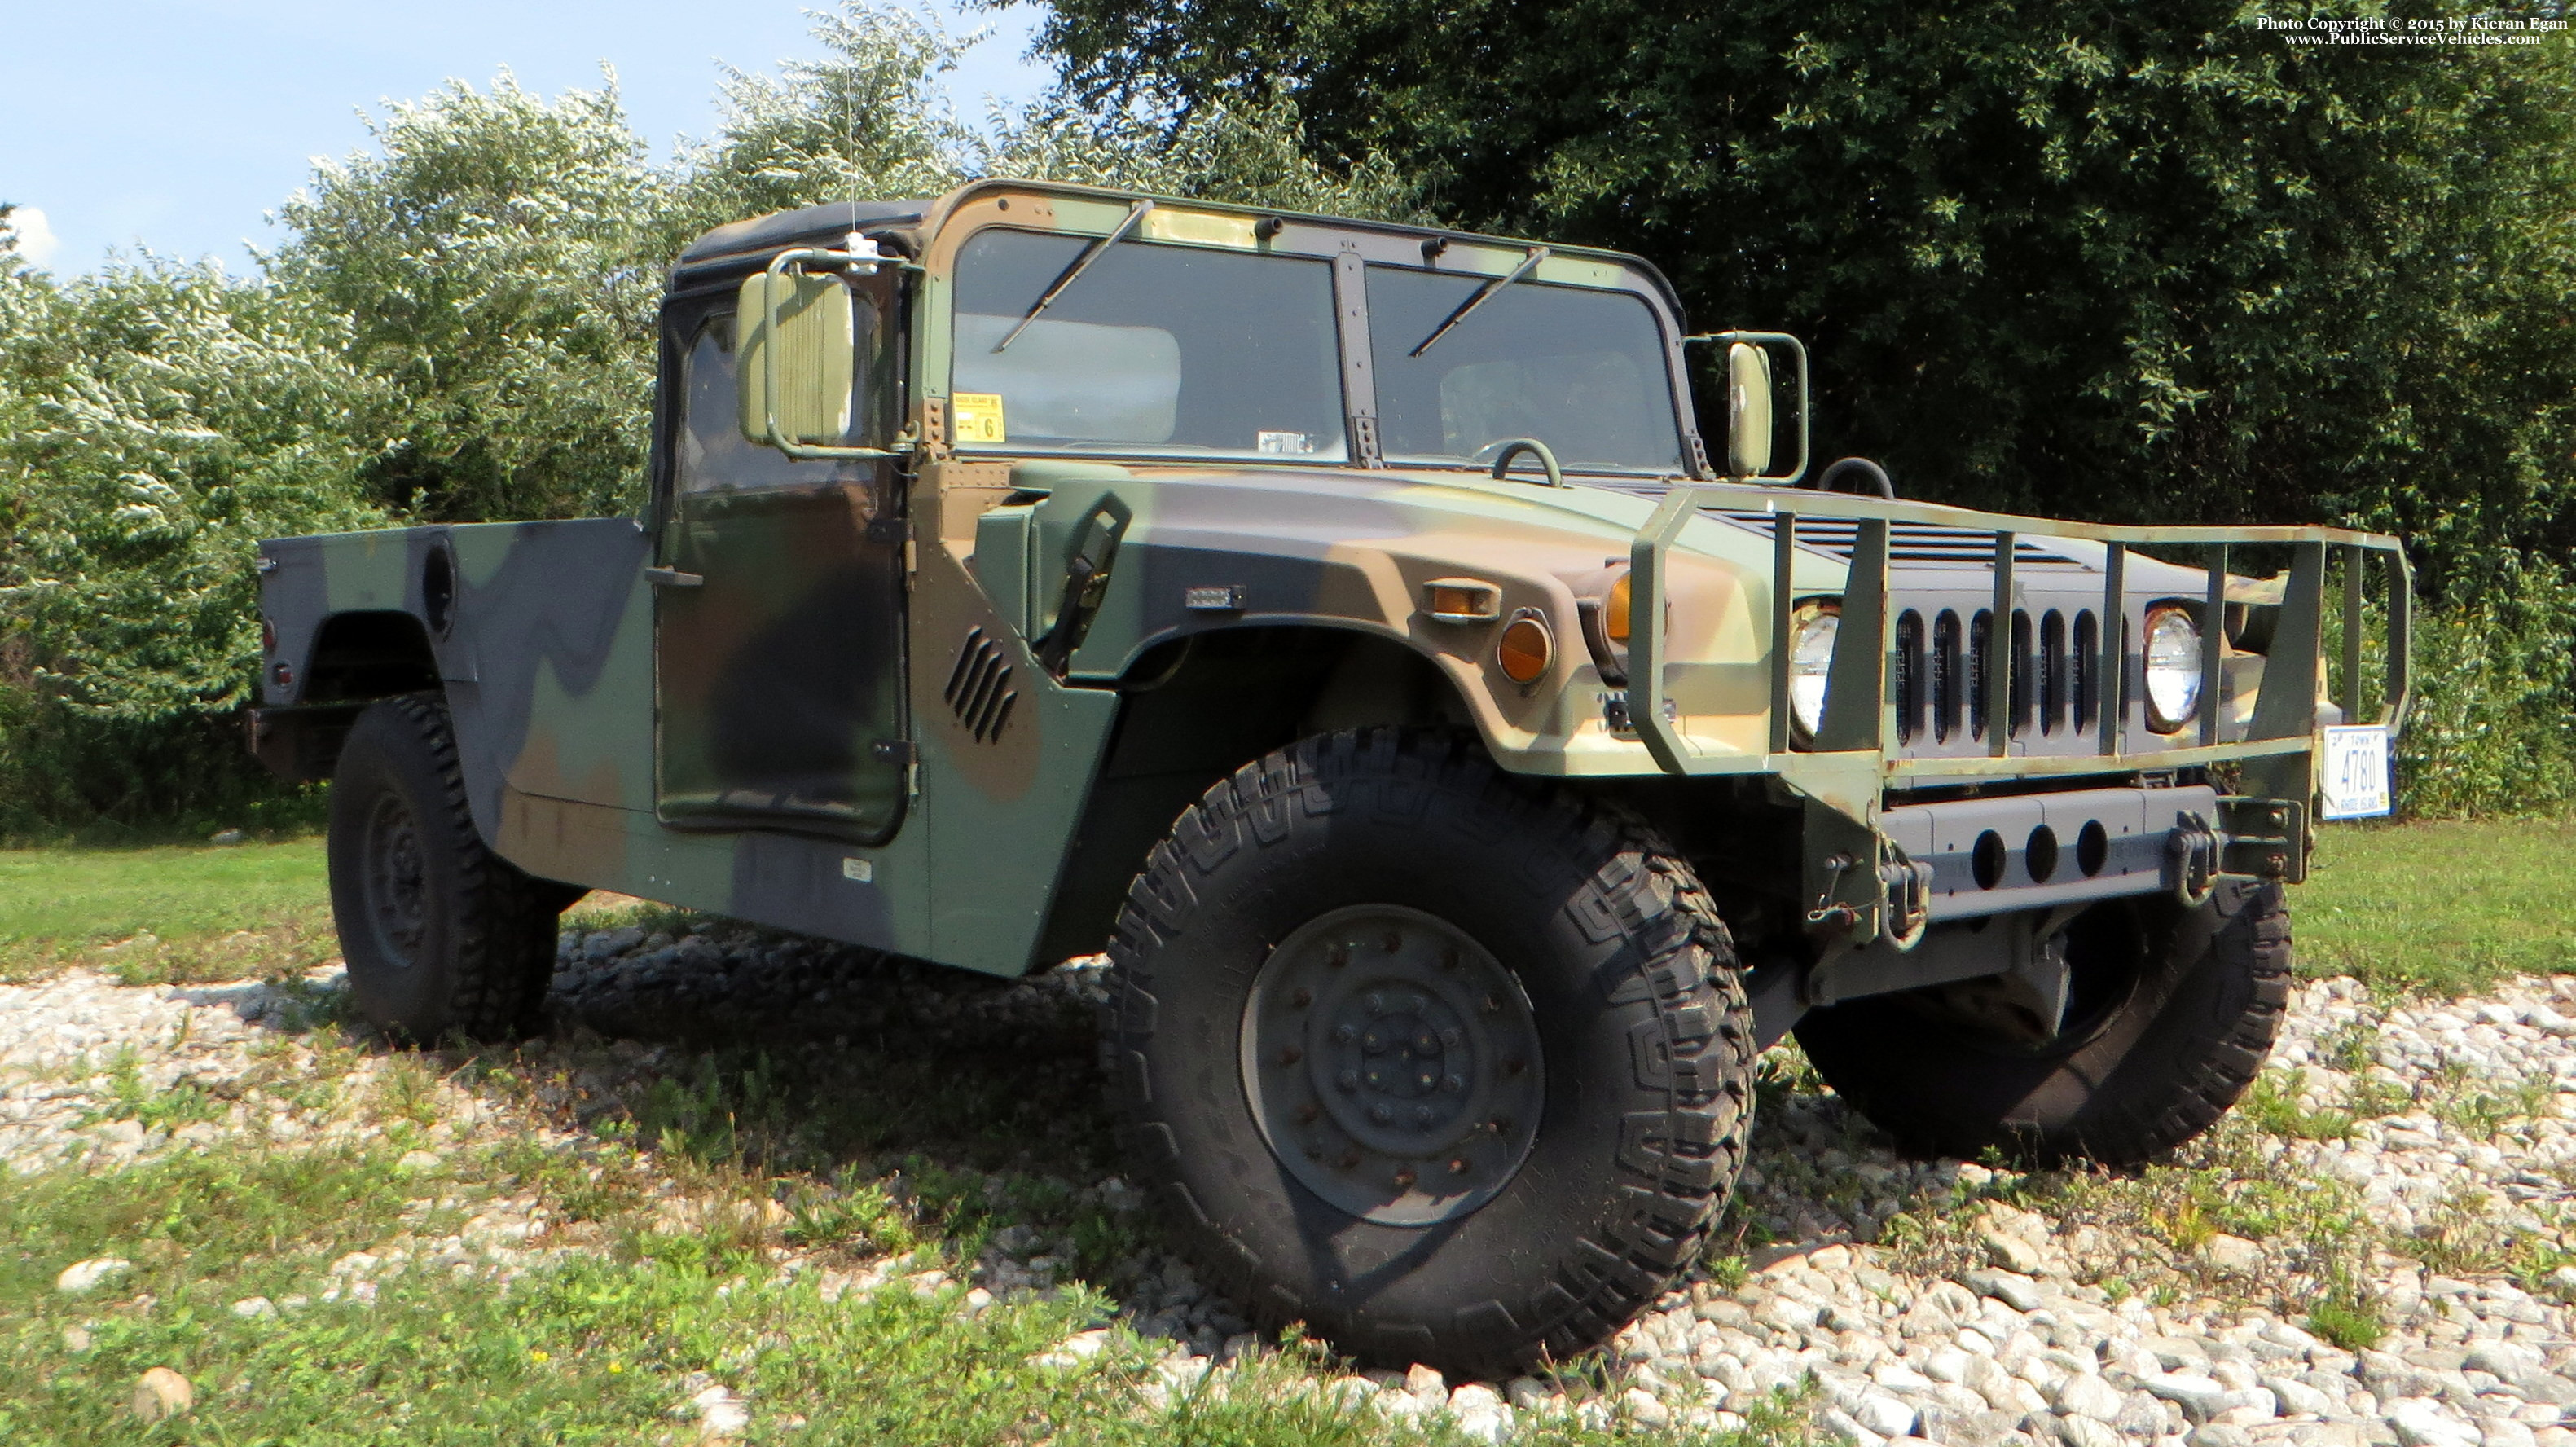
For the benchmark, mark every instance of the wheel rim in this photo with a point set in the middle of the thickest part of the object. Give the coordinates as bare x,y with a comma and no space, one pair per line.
1392,1064
397,884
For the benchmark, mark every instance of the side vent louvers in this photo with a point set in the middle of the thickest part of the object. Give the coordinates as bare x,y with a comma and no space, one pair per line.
979,687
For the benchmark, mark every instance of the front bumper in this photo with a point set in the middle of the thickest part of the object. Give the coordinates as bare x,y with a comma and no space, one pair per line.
1923,860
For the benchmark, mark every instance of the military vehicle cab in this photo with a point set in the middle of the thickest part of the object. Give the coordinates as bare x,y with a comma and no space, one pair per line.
1467,768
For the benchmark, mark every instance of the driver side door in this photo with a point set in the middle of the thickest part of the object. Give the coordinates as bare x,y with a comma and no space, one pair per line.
779,619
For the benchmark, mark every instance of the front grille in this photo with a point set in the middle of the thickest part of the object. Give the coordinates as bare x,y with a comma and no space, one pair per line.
1939,687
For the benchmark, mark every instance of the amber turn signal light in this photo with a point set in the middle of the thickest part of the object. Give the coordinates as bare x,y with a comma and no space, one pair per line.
1527,649
1614,613
1462,600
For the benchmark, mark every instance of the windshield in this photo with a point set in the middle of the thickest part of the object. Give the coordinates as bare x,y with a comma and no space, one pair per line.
1156,348
1580,369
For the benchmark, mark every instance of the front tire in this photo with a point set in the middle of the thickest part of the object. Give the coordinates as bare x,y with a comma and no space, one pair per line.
2190,1000
1451,1067
441,935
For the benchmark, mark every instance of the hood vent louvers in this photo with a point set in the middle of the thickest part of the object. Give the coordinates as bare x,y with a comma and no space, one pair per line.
979,688
1908,542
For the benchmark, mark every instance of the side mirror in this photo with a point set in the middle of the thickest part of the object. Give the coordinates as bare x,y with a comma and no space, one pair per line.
1748,410
1752,408
801,331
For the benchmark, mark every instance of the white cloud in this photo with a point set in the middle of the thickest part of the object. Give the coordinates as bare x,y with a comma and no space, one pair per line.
36,239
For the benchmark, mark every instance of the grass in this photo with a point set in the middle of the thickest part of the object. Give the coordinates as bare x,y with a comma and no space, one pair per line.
601,1346
2440,908
2425,908
169,912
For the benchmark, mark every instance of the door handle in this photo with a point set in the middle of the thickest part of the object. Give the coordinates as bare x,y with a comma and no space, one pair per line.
673,578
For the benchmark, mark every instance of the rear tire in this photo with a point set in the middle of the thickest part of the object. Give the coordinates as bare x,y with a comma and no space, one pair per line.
1395,884
441,935
2148,1069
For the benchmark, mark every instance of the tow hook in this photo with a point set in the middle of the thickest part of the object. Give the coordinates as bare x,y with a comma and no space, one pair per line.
2191,860
1908,883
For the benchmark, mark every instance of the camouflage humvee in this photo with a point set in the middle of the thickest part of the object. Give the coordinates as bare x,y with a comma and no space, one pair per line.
1345,623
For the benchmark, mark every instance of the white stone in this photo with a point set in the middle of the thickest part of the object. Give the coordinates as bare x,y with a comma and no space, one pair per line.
1643,1409
1884,1415
2085,1432
2232,1253
83,1277
2082,1395
2423,1422
2198,1395
719,1412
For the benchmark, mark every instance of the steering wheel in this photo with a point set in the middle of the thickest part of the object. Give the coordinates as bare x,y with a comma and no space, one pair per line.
1514,446
1861,467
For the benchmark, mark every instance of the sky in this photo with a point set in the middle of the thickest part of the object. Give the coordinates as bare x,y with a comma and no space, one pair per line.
177,124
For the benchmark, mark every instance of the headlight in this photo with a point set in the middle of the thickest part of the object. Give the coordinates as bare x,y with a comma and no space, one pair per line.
1811,658
2173,669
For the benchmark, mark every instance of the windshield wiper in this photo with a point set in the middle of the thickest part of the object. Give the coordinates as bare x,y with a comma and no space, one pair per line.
1483,294
1072,273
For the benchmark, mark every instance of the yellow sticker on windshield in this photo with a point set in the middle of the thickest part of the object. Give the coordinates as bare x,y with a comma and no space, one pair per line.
979,416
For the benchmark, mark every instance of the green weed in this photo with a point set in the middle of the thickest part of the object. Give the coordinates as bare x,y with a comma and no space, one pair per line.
2349,1316
129,1098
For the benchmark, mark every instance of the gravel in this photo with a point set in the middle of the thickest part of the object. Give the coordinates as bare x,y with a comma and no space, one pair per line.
1912,1300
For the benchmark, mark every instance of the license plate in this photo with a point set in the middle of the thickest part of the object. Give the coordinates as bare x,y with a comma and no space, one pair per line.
2356,784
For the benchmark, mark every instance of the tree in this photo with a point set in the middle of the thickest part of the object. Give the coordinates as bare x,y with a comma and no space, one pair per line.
2062,256
493,268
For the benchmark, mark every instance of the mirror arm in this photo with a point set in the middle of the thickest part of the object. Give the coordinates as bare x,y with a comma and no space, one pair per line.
1721,339
851,258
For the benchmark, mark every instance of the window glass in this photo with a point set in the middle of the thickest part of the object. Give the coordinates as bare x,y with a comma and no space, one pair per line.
1154,348
713,451
1580,369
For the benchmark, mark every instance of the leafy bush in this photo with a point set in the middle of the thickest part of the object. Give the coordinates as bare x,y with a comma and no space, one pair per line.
2493,729
155,421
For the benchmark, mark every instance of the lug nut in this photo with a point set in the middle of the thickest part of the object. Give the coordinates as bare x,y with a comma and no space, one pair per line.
1380,1114
1453,1083
1421,1116
1348,1080
1344,1034
1453,1037
1290,1055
